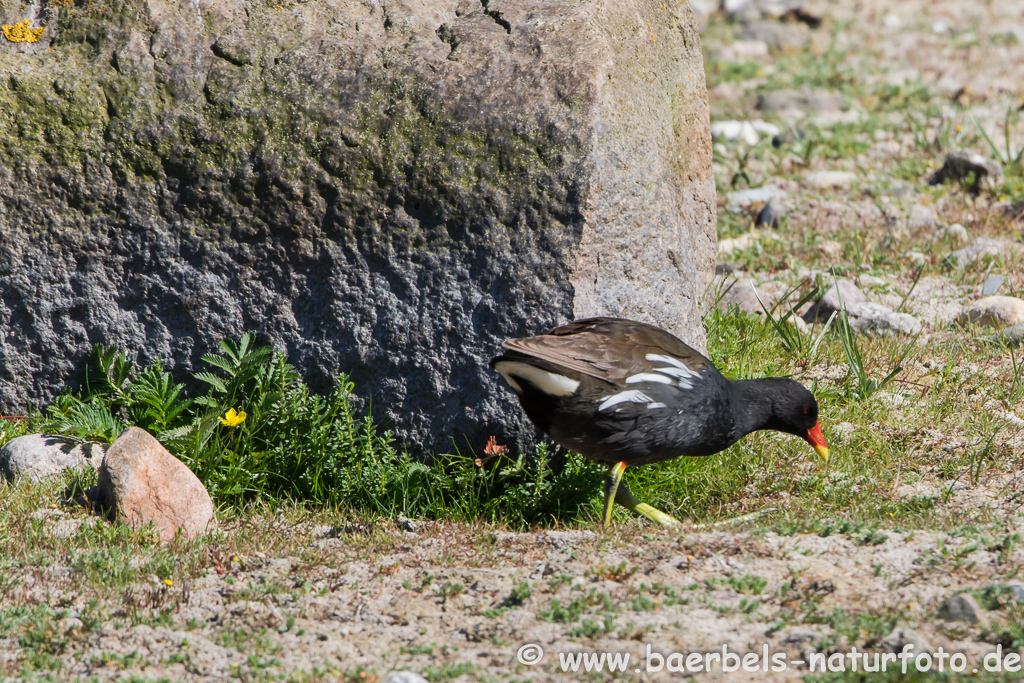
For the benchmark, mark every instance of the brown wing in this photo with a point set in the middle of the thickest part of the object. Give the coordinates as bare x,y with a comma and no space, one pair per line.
609,349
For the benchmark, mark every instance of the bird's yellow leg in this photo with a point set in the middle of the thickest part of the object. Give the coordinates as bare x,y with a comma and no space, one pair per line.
627,500
611,485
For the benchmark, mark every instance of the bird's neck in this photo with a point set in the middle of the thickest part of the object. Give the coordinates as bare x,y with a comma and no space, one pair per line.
753,402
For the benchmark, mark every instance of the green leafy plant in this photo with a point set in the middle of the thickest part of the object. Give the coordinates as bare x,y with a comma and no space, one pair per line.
864,385
257,432
1008,154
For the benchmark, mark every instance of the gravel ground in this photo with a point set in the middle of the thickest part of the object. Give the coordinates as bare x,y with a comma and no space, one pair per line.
286,597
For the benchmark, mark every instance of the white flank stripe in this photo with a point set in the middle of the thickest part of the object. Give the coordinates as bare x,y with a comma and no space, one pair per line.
657,357
652,406
682,373
648,377
631,396
548,382
678,369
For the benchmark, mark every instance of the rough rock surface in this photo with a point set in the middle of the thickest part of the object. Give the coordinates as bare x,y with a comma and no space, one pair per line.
37,456
140,482
383,189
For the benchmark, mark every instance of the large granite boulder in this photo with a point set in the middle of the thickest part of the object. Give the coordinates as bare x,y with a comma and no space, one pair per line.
387,189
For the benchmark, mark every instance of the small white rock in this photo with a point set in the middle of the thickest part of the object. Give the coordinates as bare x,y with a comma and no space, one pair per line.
823,180
994,311
742,200
735,130
956,231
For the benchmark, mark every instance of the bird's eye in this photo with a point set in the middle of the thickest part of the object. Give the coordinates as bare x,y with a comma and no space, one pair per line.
807,410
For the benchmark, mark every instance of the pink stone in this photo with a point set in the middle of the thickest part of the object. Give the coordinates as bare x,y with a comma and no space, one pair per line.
141,482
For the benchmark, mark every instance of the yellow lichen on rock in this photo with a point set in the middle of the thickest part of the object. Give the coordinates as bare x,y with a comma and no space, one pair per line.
22,32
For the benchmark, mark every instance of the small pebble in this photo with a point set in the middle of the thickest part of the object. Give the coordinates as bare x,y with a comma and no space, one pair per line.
994,311
992,285
963,607
824,180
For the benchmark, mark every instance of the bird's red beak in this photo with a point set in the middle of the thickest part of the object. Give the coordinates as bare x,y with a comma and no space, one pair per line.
817,440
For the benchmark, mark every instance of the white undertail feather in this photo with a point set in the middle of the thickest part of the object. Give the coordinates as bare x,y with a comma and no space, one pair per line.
632,396
550,383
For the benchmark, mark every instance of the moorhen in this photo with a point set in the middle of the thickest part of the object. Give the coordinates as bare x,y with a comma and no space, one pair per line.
625,393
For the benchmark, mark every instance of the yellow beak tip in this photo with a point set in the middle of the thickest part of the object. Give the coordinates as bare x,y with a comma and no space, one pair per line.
822,451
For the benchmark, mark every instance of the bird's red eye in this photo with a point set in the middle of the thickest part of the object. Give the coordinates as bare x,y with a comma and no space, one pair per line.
807,410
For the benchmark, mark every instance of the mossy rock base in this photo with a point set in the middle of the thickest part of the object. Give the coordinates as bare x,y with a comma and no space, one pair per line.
388,190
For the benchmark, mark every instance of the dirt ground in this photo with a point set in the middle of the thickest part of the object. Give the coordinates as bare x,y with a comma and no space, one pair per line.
286,596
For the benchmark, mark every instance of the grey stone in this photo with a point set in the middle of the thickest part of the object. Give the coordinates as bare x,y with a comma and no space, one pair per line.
994,311
774,34
742,200
964,165
955,231
844,293
902,636
759,9
823,180
404,677
735,130
388,190
1014,334
980,249
773,212
1013,591
744,295
871,318
747,131
921,217
800,100
39,456
865,317
963,607
830,249
1012,210
992,285
704,8
406,524
917,258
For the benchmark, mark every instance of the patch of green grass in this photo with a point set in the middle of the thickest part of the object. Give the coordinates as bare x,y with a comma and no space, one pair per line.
725,71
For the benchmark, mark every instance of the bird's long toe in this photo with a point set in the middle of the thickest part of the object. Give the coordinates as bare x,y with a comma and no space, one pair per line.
627,500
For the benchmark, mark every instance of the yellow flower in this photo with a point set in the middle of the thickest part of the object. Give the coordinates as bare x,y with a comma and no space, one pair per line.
168,582
233,419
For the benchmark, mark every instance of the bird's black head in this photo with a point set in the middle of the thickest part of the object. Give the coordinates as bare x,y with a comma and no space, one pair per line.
790,408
